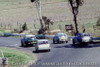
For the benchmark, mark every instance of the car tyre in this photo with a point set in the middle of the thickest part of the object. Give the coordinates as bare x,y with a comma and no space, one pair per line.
22,45
36,50
25,45
49,50
58,41
66,41
91,42
53,41
33,45
74,42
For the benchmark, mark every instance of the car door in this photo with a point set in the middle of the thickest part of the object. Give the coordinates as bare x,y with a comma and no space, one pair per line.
79,37
56,37
25,40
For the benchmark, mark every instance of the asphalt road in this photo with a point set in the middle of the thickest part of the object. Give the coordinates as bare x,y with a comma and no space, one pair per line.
61,55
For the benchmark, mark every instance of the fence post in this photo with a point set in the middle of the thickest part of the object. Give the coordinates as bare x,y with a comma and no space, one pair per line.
35,28
94,29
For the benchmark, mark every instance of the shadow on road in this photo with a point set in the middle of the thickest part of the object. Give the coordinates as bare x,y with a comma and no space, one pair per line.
43,51
26,46
59,43
95,44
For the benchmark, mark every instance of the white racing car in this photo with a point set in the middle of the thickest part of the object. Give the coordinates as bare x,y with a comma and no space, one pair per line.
82,38
42,45
60,37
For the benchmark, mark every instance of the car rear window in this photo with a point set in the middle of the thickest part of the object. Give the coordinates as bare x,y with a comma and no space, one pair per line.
30,37
62,35
43,42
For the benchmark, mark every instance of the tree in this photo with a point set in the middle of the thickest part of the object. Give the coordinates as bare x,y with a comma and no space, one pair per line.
47,22
38,6
32,0
75,10
24,27
98,22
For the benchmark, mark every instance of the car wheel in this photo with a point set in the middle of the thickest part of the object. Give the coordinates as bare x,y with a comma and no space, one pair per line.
33,45
91,42
49,50
53,41
58,41
36,49
66,41
22,44
74,42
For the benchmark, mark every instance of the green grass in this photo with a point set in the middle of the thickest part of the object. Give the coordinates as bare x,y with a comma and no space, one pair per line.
5,31
17,58
2,30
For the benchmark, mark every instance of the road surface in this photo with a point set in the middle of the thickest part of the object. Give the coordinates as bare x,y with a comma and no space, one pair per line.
61,55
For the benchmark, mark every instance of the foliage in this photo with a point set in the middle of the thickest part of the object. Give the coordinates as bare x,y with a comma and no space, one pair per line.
24,27
47,23
98,22
32,0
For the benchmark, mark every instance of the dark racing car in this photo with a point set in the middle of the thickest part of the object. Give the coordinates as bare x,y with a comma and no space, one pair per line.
28,40
82,38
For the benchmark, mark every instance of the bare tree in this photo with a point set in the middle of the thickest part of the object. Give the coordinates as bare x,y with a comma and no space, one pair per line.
75,10
38,6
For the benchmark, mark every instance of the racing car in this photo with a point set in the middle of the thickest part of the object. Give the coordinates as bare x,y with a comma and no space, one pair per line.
60,37
82,38
28,40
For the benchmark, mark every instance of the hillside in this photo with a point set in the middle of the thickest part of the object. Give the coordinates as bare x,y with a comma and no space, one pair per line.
20,11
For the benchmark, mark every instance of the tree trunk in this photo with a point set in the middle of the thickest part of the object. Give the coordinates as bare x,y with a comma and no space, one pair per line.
76,24
75,13
41,22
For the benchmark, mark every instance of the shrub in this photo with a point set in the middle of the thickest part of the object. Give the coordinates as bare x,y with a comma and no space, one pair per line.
24,27
98,22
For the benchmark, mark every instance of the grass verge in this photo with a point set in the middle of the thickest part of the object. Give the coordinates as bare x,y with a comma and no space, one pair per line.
17,58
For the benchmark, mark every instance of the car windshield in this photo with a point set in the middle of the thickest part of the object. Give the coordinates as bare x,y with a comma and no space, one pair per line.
62,35
43,42
85,35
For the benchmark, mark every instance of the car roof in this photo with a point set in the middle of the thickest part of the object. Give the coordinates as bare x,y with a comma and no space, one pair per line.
29,35
42,40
